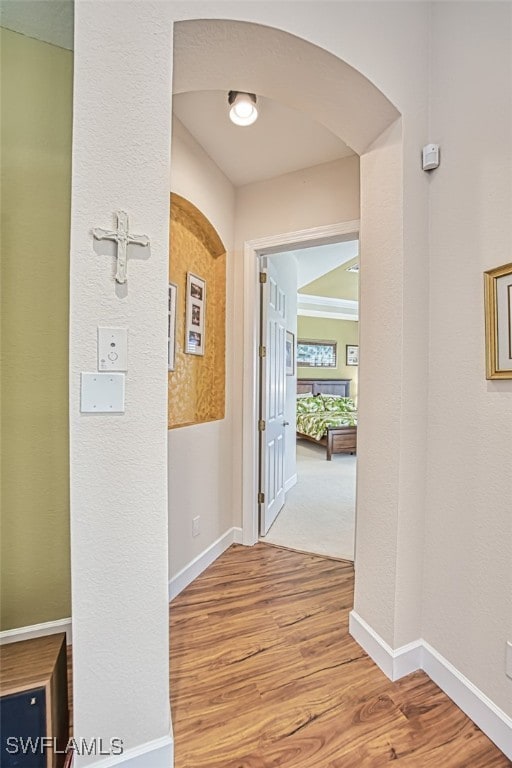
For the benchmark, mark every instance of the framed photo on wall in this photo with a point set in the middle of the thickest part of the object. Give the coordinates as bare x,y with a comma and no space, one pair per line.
195,319
171,327
498,322
290,353
352,354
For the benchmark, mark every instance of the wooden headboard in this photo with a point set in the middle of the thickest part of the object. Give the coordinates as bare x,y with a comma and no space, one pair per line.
324,386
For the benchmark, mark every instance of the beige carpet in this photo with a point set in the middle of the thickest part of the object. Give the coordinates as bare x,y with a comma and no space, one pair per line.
319,512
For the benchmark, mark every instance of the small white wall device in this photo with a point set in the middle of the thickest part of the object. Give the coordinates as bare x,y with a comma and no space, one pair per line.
112,349
102,393
430,157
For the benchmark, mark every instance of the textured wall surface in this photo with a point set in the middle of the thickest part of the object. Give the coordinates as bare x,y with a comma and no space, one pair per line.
204,450
119,461
197,385
36,109
468,535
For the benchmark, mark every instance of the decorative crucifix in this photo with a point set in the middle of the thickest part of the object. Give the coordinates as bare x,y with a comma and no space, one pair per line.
123,238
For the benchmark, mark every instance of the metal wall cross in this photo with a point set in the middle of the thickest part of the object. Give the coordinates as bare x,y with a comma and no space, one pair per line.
123,238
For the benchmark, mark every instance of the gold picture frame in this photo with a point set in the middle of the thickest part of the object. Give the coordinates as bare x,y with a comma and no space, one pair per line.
498,322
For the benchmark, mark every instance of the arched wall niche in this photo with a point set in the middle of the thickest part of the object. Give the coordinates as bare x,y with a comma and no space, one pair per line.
224,55
198,382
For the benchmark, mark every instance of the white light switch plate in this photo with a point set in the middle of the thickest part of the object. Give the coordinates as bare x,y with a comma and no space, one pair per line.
112,349
102,393
508,662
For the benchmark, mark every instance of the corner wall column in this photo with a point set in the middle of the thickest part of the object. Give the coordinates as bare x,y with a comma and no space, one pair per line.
119,461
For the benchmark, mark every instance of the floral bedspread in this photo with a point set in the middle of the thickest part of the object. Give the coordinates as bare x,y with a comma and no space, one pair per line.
315,424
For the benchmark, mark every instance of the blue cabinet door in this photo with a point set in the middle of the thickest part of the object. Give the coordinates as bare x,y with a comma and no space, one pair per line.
23,725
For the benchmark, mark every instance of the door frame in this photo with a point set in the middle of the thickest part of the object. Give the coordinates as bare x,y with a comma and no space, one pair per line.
253,250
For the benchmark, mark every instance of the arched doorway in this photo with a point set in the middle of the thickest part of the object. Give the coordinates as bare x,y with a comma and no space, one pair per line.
131,61
222,55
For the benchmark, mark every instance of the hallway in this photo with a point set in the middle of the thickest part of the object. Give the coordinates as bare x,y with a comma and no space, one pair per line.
265,674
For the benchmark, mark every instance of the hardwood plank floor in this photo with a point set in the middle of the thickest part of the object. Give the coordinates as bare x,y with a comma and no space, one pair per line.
265,674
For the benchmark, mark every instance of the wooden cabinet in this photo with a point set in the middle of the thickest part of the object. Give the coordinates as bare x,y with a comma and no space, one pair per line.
34,703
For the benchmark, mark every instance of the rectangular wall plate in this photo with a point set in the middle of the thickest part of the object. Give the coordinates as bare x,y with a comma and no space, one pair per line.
102,393
112,349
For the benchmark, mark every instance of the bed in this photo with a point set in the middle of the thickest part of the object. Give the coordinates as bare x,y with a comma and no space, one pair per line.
326,415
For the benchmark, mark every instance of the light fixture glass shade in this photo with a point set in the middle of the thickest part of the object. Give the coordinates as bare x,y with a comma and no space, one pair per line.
243,109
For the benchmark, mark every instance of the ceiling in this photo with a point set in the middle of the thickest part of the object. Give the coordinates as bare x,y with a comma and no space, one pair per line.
51,22
316,261
319,260
281,140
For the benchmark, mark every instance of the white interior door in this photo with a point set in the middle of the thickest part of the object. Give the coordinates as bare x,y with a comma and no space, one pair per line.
272,409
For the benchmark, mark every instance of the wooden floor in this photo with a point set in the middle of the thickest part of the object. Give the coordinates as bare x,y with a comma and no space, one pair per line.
265,674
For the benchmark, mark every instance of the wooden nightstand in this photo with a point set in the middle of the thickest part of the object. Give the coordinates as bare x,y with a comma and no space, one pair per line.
34,701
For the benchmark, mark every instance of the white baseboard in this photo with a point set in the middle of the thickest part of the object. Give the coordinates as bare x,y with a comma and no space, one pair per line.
238,536
394,663
157,754
495,723
37,630
290,483
196,566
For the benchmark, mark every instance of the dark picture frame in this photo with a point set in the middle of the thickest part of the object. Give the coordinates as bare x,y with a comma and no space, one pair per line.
290,353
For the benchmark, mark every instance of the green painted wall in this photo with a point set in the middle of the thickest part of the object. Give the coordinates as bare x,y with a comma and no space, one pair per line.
336,284
324,329
36,111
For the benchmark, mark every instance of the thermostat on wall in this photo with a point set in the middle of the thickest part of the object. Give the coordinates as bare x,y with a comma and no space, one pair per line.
430,157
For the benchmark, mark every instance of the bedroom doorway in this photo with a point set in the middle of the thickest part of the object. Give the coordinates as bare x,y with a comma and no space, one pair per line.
307,482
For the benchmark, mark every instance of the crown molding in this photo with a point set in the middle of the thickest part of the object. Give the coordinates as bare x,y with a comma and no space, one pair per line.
328,307
328,315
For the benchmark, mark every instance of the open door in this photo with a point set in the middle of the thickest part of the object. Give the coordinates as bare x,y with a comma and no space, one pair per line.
272,422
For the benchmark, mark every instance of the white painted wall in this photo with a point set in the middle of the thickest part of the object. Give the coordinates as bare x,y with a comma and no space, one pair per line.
195,176
118,461
467,606
286,268
312,197
200,456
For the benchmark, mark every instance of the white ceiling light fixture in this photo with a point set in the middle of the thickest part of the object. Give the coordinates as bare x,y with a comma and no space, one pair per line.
243,110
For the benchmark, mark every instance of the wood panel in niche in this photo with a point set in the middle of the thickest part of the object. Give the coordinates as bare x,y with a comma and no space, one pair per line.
197,385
